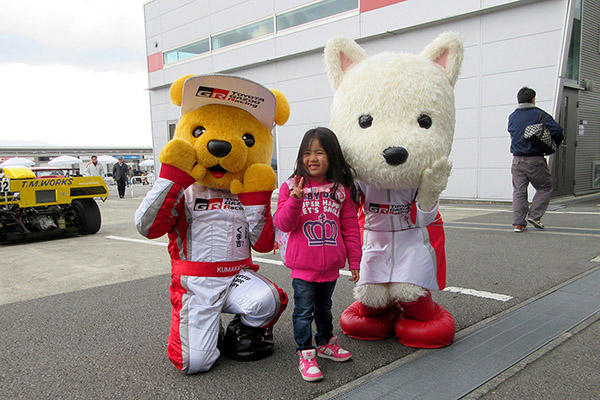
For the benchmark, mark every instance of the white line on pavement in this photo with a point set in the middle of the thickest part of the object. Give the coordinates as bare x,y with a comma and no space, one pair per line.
478,293
508,228
505,210
471,292
144,241
267,261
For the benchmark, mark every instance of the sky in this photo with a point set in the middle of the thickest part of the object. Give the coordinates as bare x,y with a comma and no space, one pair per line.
73,73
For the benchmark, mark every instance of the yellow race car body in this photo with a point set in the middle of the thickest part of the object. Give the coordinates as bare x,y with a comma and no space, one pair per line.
50,206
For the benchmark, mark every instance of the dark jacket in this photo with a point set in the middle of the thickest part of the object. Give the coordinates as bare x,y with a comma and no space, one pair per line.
120,171
528,114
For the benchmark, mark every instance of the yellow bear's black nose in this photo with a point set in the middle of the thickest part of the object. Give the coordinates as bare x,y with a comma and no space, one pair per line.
219,148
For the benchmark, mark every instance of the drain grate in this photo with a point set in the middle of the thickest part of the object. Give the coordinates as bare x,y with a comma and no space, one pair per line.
454,371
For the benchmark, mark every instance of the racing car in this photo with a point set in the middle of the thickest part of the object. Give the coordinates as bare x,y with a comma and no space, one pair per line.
46,206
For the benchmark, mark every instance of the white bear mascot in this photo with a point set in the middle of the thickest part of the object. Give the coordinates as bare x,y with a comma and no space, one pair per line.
394,117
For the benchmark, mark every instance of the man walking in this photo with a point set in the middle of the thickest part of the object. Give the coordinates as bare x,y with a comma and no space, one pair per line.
529,164
93,168
120,175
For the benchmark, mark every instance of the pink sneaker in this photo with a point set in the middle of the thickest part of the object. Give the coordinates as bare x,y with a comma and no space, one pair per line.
333,351
308,365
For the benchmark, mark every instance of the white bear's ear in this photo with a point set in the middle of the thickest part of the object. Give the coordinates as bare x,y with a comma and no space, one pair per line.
446,51
341,54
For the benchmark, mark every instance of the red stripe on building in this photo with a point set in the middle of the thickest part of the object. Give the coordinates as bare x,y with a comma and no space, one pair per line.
368,5
155,62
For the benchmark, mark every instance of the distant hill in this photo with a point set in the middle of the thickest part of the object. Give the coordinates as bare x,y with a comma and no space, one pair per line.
24,143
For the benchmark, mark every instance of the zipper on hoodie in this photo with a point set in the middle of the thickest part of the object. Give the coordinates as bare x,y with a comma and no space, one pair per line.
321,208
312,193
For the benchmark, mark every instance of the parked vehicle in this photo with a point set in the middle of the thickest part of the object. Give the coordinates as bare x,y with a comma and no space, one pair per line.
48,205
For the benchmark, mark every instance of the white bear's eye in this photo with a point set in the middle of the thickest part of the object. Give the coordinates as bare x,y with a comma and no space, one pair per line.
424,121
198,131
248,139
365,121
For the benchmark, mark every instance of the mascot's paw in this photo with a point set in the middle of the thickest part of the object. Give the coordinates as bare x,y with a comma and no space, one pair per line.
433,183
425,324
361,322
179,153
257,178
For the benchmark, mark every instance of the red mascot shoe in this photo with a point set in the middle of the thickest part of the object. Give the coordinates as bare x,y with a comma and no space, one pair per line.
425,324
365,323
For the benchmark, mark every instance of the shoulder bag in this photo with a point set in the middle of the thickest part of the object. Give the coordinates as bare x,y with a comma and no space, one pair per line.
539,135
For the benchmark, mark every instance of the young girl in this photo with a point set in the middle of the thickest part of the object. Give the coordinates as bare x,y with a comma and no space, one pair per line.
317,207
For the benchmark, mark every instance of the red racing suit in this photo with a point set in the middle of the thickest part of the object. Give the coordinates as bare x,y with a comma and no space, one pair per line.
401,242
210,233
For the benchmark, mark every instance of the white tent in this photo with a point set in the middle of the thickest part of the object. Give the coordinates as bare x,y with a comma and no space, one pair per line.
107,159
64,161
17,162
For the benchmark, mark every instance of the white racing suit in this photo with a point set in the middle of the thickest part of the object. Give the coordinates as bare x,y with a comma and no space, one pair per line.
210,235
401,242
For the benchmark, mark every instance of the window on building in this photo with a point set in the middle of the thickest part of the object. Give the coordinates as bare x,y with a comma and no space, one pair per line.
246,32
299,16
314,11
186,51
172,125
575,45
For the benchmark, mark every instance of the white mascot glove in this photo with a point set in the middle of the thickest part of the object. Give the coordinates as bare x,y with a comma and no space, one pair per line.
433,182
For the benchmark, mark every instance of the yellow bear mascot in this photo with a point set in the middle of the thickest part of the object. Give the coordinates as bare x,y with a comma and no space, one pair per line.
213,200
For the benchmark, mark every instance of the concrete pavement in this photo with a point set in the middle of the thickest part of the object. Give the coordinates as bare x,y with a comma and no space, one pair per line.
88,316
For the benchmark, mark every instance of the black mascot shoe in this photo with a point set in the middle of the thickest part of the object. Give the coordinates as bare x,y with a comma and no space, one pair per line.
245,343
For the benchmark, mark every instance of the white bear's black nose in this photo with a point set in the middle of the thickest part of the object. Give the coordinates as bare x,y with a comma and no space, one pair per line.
219,148
395,155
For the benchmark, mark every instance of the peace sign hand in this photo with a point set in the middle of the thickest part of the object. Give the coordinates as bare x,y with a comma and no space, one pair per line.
297,186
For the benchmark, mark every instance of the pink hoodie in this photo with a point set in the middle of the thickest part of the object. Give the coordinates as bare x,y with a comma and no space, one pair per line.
323,232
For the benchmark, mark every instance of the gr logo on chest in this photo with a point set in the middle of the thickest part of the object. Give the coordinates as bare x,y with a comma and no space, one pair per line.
217,204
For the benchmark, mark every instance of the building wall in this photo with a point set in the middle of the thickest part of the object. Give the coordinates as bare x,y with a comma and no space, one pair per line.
500,38
588,143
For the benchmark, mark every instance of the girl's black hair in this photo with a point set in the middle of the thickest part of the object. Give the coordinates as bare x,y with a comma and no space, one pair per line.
339,172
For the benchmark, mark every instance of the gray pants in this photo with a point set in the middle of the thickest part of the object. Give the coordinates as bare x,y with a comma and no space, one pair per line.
532,170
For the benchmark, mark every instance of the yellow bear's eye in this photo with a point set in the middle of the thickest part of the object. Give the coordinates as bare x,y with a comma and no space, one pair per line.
248,139
198,131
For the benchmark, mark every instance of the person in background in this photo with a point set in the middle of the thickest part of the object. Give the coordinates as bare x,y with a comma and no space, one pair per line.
93,168
529,164
317,207
121,175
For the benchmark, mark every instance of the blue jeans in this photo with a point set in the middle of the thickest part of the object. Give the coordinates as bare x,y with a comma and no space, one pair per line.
312,299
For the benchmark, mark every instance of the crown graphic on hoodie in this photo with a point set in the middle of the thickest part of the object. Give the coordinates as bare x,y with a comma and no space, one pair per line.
321,232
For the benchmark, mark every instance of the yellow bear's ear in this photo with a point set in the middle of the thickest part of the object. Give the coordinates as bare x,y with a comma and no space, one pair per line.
282,109
176,91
